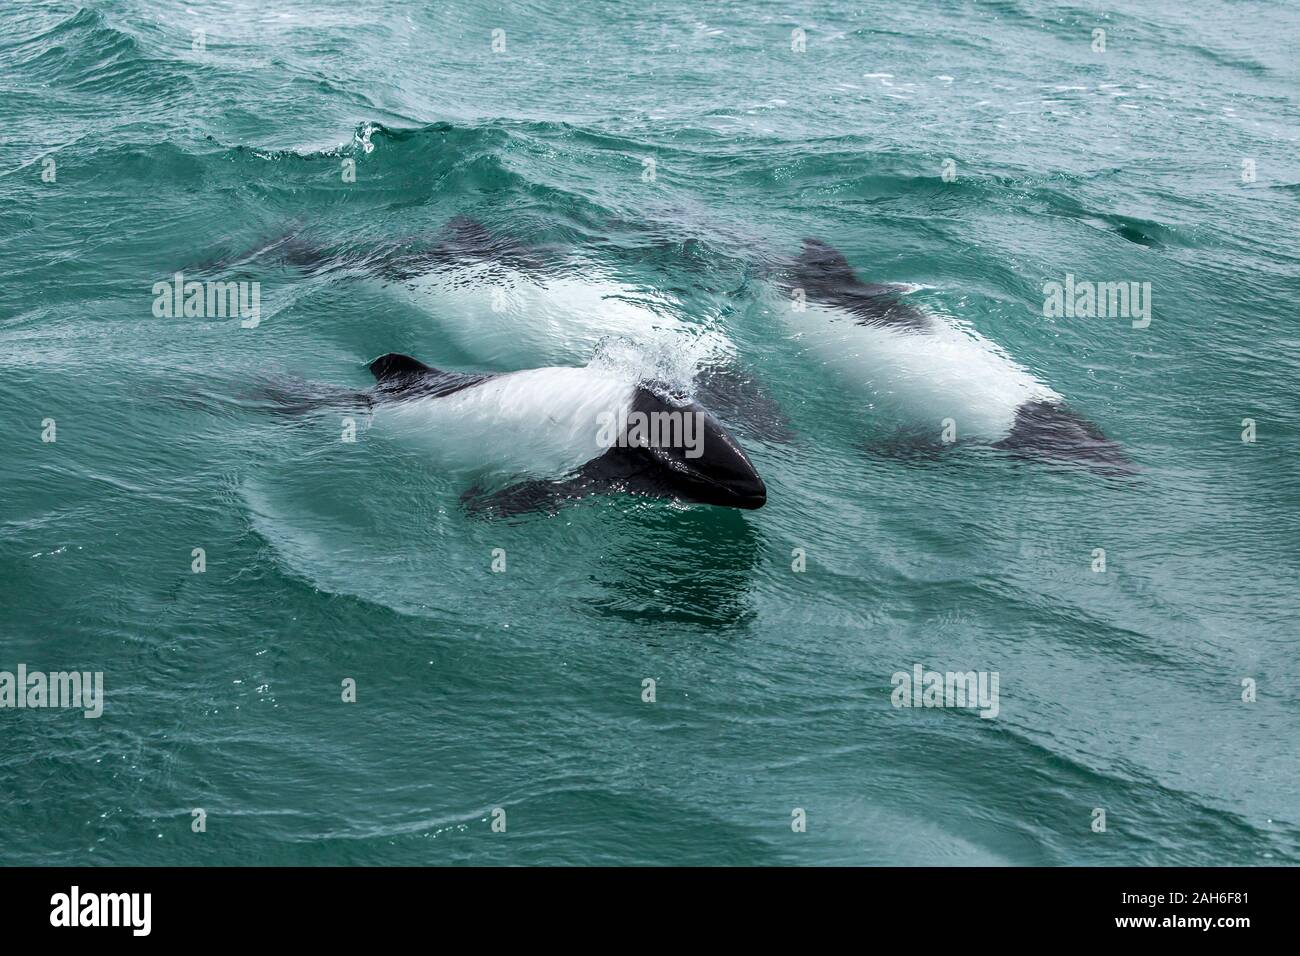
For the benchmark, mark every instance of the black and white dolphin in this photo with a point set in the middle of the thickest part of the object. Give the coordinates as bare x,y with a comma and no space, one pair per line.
919,367
565,431
510,305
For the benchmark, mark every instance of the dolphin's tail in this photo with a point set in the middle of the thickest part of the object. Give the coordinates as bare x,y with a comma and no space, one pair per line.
295,397
1053,430
462,240
291,247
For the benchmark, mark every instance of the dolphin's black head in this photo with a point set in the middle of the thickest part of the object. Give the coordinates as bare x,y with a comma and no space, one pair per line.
682,451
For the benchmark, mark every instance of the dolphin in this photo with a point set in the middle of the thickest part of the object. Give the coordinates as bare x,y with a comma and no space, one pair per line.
508,305
513,307
566,431
919,366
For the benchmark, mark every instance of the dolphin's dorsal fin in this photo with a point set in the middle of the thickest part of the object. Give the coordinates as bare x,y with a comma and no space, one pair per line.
825,266
469,232
388,369
400,376
825,276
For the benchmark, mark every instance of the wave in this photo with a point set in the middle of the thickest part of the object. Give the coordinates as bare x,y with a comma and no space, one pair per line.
84,53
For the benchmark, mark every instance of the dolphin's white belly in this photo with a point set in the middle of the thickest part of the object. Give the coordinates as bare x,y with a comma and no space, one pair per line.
920,378
509,319
543,423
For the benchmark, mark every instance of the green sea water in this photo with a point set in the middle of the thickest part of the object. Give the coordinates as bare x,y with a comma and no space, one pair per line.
132,147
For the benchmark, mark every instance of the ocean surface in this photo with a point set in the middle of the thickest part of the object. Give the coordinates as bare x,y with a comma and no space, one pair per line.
132,148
